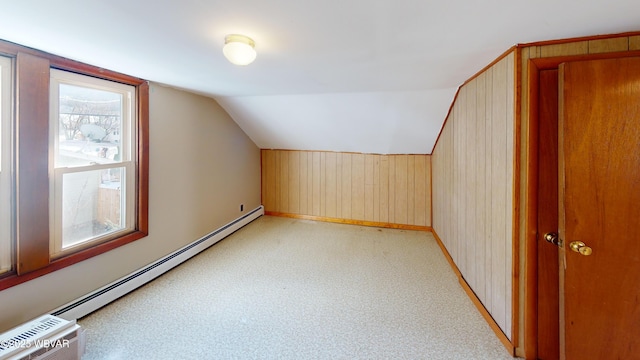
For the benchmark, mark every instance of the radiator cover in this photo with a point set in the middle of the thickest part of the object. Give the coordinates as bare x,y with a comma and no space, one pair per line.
45,338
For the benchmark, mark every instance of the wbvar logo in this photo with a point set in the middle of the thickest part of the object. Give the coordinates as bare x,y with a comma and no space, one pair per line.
41,343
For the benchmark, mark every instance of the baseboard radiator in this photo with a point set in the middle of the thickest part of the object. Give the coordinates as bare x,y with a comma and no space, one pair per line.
45,338
97,299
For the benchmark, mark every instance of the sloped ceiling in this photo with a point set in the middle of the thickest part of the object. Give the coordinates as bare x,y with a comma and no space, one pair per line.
372,76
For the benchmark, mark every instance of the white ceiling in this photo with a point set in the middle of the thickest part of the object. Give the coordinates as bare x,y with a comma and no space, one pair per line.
372,76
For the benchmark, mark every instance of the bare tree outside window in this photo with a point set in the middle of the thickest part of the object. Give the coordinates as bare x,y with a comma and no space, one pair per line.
80,106
93,177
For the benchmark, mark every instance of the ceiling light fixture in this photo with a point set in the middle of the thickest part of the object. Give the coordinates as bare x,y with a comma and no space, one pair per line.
239,49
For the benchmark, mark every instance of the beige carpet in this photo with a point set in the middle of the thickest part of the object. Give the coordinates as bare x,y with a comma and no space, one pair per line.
293,289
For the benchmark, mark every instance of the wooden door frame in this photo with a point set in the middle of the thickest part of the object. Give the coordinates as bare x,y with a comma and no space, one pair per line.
531,212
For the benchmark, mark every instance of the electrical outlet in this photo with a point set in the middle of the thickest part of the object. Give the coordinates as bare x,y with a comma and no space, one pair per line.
241,207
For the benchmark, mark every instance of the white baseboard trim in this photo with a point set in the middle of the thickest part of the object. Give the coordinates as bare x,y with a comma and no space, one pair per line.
101,297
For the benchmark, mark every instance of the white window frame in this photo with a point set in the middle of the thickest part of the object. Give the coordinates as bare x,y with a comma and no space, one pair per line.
128,158
6,183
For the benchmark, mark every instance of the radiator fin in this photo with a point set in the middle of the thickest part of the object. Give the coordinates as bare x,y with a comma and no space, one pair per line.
38,327
27,335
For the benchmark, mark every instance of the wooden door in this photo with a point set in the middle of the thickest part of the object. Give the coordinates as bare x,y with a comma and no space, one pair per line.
599,197
548,346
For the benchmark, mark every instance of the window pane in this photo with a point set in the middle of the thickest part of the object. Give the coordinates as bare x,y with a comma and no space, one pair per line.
5,165
92,140
90,126
92,205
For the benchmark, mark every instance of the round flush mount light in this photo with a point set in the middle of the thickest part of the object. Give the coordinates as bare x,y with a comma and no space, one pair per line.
239,49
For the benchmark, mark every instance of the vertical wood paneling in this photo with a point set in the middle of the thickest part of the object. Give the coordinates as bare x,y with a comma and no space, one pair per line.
277,175
346,186
284,180
421,201
473,186
294,182
401,189
479,188
339,185
411,190
427,191
269,179
315,207
392,189
460,192
365,187
577,48
498,206
444,204
488,301
384,189
634,42
309,182
323,184
509,181
471,242
357,186
376,188
304,183
608,45
369,187
330,187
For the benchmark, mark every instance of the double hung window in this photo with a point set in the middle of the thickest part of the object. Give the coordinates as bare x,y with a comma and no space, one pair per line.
74,162
93,159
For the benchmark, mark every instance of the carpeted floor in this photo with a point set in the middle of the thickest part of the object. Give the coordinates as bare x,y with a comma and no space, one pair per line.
292,289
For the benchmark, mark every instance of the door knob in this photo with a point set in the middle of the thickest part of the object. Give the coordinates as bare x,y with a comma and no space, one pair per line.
553,238
580,247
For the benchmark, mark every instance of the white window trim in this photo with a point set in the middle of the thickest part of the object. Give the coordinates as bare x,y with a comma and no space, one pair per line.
6,200
128,158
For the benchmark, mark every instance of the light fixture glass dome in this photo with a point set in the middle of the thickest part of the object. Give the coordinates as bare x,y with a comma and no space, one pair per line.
239,49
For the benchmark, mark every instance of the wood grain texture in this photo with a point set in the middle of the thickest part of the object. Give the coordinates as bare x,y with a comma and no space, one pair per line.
548,315
475,299
512,195
598,155
357,187
369,187
384,189
294,182
608,45
394,189
142,182
316,181
32,165
376,188
304,181
330,185
473,188
284,187
547,55
575,48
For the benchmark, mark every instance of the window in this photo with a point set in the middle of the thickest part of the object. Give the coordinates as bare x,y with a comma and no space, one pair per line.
93,151
5,166
74,170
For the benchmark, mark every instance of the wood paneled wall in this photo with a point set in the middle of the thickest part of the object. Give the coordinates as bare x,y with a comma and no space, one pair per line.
473,178
386,189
